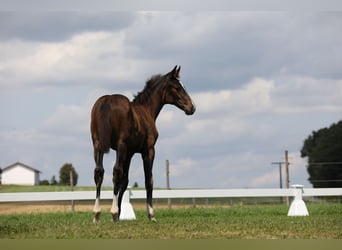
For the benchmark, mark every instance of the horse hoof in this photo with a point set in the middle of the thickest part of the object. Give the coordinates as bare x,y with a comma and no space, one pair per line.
115,217
96,218
152,218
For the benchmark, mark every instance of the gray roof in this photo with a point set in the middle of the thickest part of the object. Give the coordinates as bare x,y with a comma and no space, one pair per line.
21,164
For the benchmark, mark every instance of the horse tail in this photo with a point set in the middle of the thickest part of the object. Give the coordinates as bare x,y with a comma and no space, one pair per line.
104,136
100,127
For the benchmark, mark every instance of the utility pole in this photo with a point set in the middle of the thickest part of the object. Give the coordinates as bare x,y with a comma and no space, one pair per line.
280,174
287,174
280,177
72,189
287,169
168,181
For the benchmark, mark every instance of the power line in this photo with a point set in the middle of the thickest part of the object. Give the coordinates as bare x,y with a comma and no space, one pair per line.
280,175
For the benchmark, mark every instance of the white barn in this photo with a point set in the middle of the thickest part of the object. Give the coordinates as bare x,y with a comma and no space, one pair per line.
20,174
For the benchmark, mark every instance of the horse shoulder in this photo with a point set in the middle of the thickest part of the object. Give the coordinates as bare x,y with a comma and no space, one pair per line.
145,121
136,118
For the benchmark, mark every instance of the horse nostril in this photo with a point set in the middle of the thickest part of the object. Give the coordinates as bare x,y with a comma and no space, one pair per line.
193,108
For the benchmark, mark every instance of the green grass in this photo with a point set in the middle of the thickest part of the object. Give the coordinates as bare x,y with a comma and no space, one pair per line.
245,222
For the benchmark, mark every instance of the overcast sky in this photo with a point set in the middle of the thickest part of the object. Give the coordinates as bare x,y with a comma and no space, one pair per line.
261,81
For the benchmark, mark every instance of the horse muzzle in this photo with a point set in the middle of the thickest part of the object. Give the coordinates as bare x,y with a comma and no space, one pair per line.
191,110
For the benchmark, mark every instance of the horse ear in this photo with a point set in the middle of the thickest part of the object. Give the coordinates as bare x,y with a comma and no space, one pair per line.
175,72
178,70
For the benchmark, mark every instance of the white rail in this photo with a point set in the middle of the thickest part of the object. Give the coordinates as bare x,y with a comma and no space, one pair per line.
297,208
160,194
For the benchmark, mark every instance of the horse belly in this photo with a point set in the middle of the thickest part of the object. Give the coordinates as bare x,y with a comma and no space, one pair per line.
127,134
136,144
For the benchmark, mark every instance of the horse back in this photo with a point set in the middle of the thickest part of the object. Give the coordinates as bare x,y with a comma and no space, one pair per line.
114,120
108,117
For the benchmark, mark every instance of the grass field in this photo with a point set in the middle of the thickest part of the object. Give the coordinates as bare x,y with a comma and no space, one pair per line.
235,222
220,220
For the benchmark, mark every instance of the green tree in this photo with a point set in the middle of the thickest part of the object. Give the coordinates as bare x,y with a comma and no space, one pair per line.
324,151
64,174
53,181
44,183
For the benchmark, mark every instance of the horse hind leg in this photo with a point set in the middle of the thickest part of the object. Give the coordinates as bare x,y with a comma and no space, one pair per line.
120,181
98,178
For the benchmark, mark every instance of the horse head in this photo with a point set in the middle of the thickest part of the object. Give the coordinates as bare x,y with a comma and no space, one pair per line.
175,93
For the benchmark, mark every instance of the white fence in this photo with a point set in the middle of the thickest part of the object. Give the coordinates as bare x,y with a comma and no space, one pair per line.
174,193
297,192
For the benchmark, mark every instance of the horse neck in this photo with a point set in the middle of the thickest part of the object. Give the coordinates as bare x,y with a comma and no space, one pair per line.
155,105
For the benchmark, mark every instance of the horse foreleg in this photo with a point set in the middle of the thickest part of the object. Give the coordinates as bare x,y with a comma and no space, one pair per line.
149,205
124,184
120,180
115,210
148,163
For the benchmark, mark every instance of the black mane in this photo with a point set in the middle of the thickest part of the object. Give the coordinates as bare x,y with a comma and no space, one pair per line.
144,95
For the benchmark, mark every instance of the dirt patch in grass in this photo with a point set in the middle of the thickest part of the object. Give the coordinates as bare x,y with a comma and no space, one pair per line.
21,208
85,206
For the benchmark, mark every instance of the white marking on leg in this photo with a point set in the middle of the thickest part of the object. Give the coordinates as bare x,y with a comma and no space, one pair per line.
97,211
97,208
115,208
150,211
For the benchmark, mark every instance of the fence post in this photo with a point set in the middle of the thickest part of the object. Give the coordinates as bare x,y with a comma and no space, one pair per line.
72,189
287,173
298,207
167,166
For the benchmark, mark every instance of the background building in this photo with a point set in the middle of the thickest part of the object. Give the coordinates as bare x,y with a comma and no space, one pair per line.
20,174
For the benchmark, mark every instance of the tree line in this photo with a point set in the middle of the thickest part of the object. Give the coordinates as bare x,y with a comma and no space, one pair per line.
65,173
323,149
